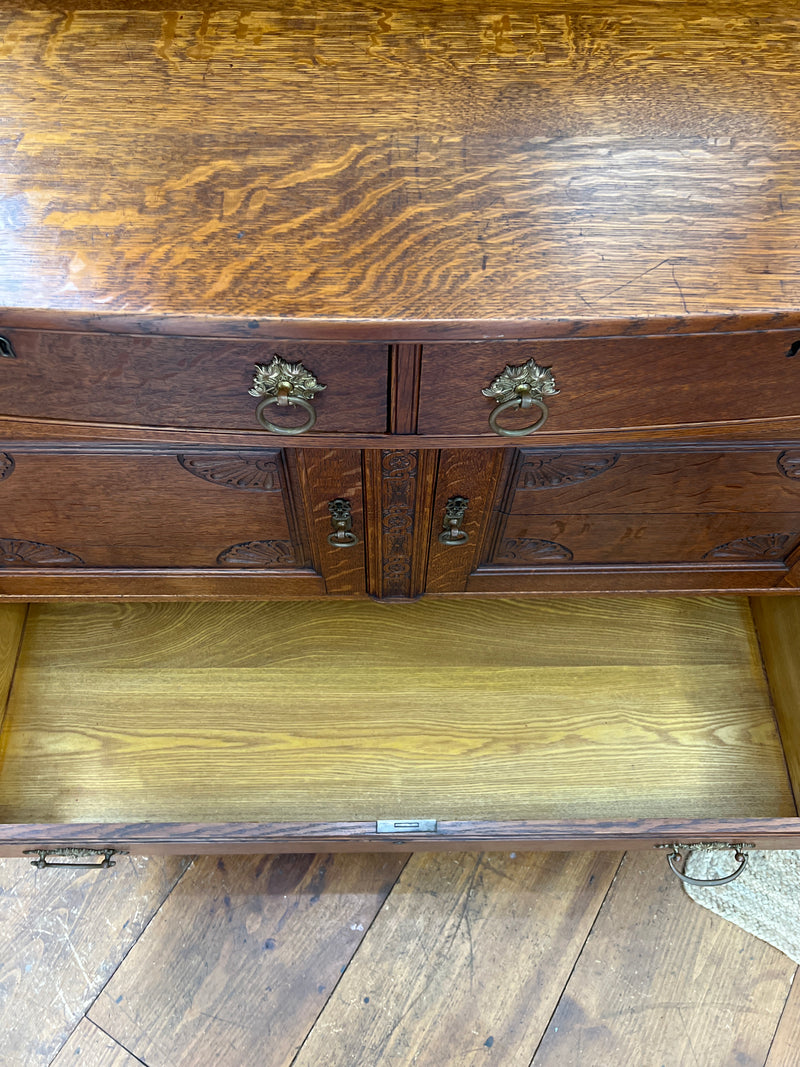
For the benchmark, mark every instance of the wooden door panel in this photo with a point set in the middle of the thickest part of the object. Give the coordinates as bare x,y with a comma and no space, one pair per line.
149,509
690,511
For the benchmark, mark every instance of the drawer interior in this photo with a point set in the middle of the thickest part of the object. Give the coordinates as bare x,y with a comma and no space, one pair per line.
607,708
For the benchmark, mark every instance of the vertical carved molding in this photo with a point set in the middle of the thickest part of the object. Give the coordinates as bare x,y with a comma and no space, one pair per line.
398,501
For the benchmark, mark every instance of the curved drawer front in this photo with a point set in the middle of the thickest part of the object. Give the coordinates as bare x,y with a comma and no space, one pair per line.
184,381
616,383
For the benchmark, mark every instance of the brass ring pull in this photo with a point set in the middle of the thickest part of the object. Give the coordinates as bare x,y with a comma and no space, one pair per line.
676,855
342,523
519,402
523,387
287,385
290,401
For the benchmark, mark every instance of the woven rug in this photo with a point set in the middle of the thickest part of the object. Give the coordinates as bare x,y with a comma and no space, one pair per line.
764,899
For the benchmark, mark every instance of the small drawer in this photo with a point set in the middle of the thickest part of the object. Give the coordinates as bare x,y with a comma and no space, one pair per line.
619,383
186,382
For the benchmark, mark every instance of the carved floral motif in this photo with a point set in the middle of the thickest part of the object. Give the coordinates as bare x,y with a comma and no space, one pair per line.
258,554
398,494
16,553
789,463
761,546
532,550
253,473
546,471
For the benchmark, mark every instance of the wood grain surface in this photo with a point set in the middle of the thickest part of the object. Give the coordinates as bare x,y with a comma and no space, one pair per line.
778,627
88,1046
356,711
643,991
274,934
56,955
420,163
483,988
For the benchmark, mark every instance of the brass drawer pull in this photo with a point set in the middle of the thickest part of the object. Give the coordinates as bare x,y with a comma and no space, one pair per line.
287,385
342,523
454,512
676,855
77,853
524,387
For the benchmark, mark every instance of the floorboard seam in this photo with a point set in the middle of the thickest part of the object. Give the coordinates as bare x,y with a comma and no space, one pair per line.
349,962
780,1017
122,960
118,1043
578,955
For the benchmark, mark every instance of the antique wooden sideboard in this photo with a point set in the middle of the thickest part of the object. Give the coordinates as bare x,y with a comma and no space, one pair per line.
336,347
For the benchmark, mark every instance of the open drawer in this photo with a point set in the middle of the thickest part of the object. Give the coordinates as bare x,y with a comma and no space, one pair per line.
298,726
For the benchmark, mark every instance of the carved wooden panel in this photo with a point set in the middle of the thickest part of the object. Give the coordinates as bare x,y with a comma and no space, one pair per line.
647,507
398,498
141,509
253,472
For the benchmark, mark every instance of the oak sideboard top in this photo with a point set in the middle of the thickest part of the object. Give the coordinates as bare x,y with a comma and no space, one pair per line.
406,171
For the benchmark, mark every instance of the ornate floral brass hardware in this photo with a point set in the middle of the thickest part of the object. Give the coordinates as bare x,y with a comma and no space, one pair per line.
524,387
76,854
454,511
6,349
287,385
342,523
676,856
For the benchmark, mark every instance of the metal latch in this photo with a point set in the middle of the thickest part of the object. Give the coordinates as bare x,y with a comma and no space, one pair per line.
406,826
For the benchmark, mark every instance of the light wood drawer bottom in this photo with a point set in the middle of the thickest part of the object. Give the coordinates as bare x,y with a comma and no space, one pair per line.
267,726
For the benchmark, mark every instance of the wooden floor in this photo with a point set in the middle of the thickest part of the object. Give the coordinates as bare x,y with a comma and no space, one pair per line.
559,959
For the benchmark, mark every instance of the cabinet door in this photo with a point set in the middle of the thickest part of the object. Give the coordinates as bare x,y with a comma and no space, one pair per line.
634,519
151,523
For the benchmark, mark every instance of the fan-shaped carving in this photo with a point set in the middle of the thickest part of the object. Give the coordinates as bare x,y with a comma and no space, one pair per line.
789,463
254,473
14,553
552,472
761,546
258,554
532,550
6,465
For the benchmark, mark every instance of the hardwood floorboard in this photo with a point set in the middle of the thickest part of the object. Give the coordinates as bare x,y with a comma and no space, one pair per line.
88,1046
465,962
546,959
242,957
785,1048
662,982
62,935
